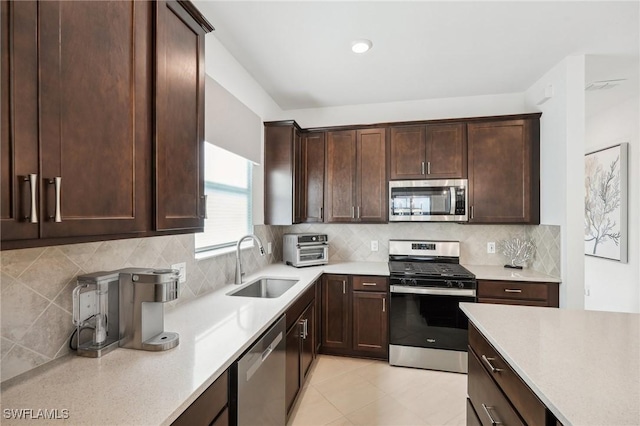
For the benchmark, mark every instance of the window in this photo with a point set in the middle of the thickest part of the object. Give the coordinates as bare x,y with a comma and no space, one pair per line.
227,183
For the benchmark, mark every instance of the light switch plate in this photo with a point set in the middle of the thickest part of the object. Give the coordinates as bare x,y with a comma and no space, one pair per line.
491,247
182,267
374,245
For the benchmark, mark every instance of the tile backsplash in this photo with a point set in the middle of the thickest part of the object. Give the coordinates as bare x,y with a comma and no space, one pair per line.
36,286
349,242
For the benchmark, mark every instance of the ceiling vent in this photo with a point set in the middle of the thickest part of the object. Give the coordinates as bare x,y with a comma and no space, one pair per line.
604,84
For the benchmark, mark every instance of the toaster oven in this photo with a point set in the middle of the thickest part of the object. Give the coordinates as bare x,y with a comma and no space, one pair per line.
305,249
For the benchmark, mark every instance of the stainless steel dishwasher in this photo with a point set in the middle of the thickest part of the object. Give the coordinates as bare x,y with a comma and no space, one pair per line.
258,397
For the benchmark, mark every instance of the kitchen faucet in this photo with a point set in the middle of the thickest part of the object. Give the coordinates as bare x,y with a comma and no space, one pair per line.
239,272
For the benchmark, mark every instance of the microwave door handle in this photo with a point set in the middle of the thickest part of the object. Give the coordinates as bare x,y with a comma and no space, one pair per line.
452,194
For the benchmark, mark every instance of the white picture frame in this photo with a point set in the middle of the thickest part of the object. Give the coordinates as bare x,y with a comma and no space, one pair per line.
605,210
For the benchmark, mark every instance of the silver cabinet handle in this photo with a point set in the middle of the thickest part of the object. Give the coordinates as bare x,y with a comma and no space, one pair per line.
486,410
344,287
57,182
384,304
422,168
512,290
320,211
358,212
204,202
353,212
33,182
306,328
301,324
428,167
488,361
369,284
471,212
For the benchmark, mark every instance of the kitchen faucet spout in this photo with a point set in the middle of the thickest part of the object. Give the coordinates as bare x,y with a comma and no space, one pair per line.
239,273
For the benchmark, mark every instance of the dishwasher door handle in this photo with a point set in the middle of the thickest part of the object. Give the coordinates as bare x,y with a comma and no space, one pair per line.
263,357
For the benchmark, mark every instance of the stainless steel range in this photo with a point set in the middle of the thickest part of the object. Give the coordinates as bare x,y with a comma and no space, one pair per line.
428,329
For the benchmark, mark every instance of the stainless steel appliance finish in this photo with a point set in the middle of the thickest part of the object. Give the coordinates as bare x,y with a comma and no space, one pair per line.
259,394
142,293
265,288
427,327
305,249
239,273
99,290
429,200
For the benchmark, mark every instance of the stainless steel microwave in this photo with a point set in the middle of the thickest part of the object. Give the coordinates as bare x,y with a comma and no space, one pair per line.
429,200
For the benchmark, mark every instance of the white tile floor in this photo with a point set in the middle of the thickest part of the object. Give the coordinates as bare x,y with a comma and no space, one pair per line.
350,391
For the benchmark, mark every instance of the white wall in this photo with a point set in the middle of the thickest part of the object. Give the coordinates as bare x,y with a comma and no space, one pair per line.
562,167
471,106
615,286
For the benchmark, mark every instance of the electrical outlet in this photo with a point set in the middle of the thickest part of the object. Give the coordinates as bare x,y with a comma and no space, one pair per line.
182,267
374,245
491,247
269,248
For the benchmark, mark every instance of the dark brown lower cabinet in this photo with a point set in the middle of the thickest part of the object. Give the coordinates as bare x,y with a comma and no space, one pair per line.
211,408
496,393
300,344
518,293
355,319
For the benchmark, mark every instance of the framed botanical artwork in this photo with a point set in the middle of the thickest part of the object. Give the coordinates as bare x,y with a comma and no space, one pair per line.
605,203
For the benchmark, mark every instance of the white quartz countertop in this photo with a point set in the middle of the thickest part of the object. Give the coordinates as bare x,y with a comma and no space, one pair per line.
583,365
131,387
491,272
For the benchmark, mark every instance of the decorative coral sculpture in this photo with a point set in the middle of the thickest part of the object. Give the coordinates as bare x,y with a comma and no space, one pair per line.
518,251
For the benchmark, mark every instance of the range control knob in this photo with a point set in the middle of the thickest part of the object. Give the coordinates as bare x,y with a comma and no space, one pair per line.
460,284
449,284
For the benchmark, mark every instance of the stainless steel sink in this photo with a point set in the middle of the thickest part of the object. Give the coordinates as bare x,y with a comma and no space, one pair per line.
268,288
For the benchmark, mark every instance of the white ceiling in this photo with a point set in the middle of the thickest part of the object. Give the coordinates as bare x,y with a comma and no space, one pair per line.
299,51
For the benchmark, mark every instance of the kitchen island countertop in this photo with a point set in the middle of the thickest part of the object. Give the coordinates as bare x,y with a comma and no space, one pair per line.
583,365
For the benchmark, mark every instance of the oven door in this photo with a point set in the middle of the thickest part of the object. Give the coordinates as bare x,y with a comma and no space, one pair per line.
429,317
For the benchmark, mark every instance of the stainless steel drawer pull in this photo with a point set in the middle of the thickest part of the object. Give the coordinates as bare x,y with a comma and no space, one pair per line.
358,212
491,419
344,287
33,182
353,212
488,362
369,284
422,169
384,304
471,212
57,182
428,167
512,290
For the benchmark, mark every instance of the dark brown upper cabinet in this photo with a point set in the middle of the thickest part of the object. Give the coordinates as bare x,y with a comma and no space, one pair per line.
356,189
179,142
432,151
504,171
283,192
312,177
78,121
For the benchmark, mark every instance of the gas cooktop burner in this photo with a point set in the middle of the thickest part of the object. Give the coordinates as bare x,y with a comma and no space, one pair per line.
425,269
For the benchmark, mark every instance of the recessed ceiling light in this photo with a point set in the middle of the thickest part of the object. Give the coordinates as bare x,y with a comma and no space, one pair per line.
361,46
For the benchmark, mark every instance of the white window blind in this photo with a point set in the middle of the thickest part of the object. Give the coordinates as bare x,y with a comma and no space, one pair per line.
227,183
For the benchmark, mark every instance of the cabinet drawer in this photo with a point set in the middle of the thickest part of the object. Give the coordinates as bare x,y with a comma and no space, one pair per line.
368,283
523,399
208,405
490,404
513,290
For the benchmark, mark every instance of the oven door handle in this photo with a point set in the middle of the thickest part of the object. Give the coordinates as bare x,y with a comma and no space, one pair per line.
432,291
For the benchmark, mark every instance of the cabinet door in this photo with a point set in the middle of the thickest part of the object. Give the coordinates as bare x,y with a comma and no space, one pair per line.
298,187
307,350
179,119
371,180
335,311
19,120
504,171
446,151
281,166
292,372
407,153
95,116
313,177
370,322
341,176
